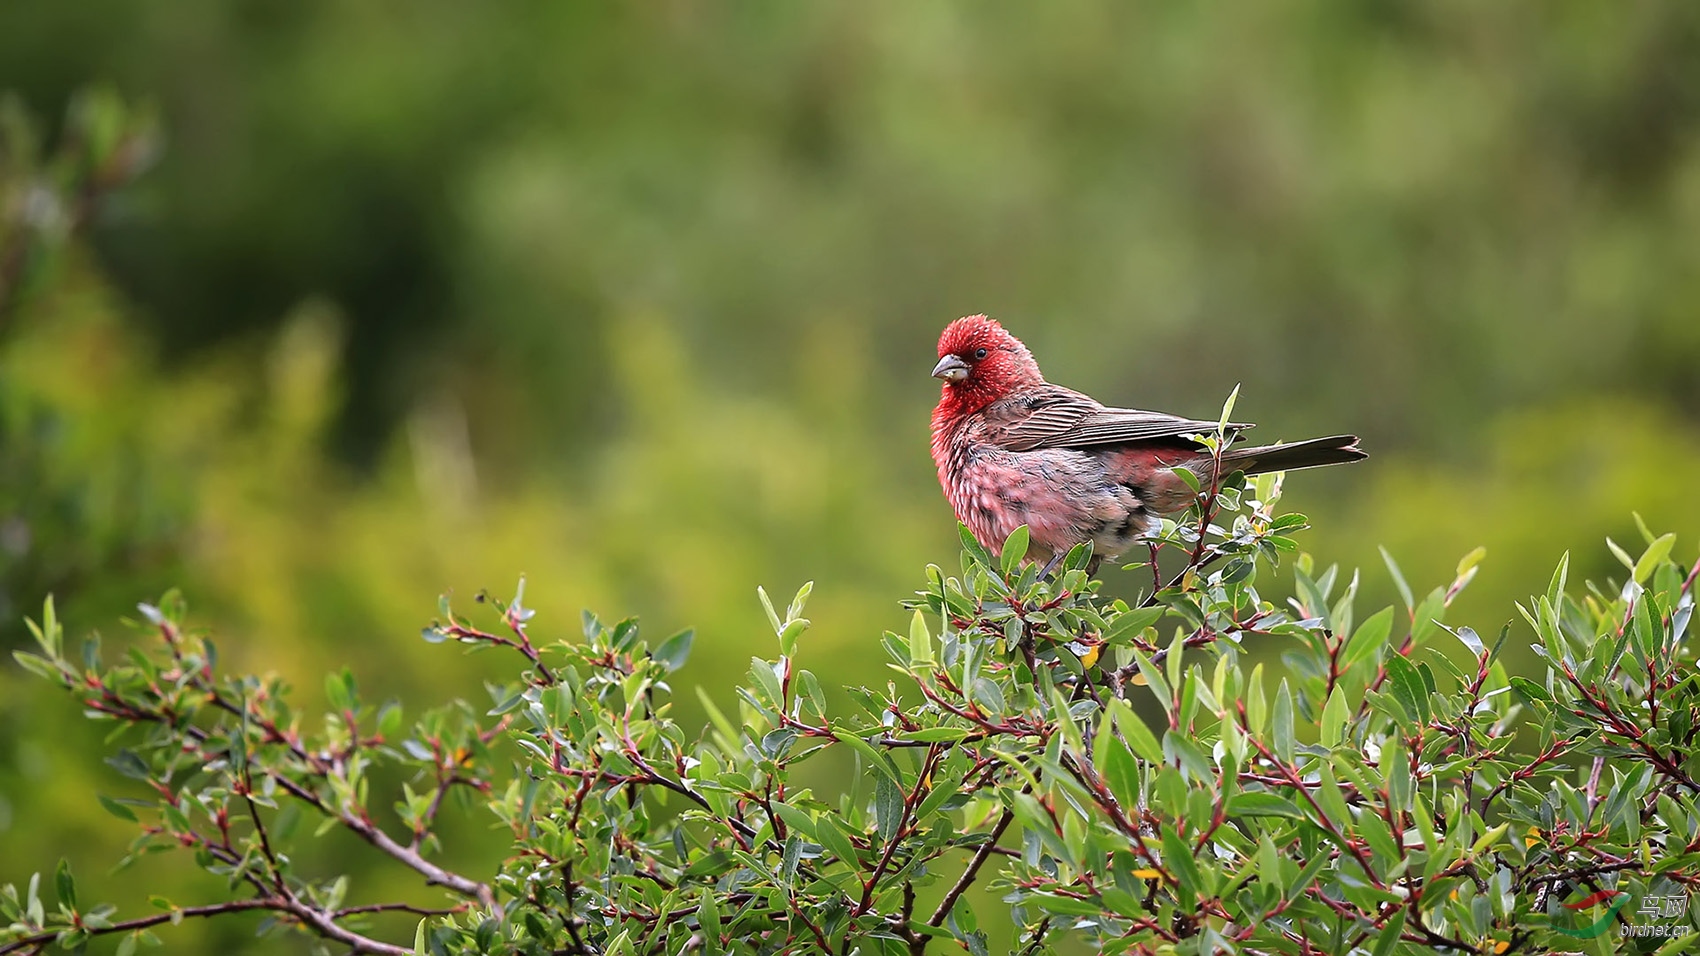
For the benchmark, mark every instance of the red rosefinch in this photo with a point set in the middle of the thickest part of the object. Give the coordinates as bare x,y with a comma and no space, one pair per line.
1012,449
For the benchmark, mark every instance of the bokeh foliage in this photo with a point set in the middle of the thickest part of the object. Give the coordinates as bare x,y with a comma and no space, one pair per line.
639,301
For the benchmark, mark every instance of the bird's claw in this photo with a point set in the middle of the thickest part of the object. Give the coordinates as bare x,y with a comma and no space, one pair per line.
1051,565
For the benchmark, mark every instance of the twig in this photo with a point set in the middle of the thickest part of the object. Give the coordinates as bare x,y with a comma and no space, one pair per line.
143,922
1038,937
317,920
910,801
434,874
967,878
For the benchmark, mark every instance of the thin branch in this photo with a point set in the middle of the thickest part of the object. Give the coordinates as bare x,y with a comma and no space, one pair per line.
434,874
348,911
325,925
1038,937
365,829
968,875
143,922
910,801
318,921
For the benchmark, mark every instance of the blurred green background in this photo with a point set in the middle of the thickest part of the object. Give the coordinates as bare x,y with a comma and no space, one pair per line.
640,300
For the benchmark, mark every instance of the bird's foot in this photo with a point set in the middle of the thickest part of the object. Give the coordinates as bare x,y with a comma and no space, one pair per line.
1051,565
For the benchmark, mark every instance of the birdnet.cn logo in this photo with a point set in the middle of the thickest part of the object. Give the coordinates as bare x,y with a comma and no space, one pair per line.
1656,916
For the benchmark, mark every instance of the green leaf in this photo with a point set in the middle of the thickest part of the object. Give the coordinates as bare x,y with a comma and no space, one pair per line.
1555,590
711,864
66,885
1647,534
1283,723
772,615
888,808
976,551
1396,768
389,720
1139,736
1178,860
878,758
835,841
796,818
946,785
33,905
117,809
1256,706
1269,869
1262,803
718,718
938,734
38,665
1428,615
789,635
1129,623
1387,940
708,914
1334,717
675,650
1531,690
920,640
1228,410
1438,857
811,687
1371,636
1376,833
1067,905
337,687
1120,771
762,675
1154,679
1333,801
1621,555
1398,579
1489,839
1064,721
1649,634
1311,597
130,765
1014,549
799,601
1470,639
50,636
1651,558
1035,820
1407,687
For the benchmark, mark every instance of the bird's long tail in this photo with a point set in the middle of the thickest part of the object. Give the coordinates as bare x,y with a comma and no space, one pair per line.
1333,450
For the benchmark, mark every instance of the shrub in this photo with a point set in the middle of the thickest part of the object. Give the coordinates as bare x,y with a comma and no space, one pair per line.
1121,775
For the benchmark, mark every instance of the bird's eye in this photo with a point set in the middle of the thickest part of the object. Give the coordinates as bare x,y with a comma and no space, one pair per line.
979,354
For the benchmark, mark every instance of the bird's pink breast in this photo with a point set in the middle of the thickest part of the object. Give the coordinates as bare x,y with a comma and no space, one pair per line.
1064,496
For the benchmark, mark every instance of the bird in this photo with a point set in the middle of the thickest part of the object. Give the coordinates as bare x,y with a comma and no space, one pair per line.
1013,449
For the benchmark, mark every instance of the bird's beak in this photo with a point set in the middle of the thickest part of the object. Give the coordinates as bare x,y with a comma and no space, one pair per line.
951,368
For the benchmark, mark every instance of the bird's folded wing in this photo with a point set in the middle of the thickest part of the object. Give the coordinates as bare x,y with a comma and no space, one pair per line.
1056,417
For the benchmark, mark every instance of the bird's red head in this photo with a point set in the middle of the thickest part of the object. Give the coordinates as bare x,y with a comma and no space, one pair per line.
980,363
